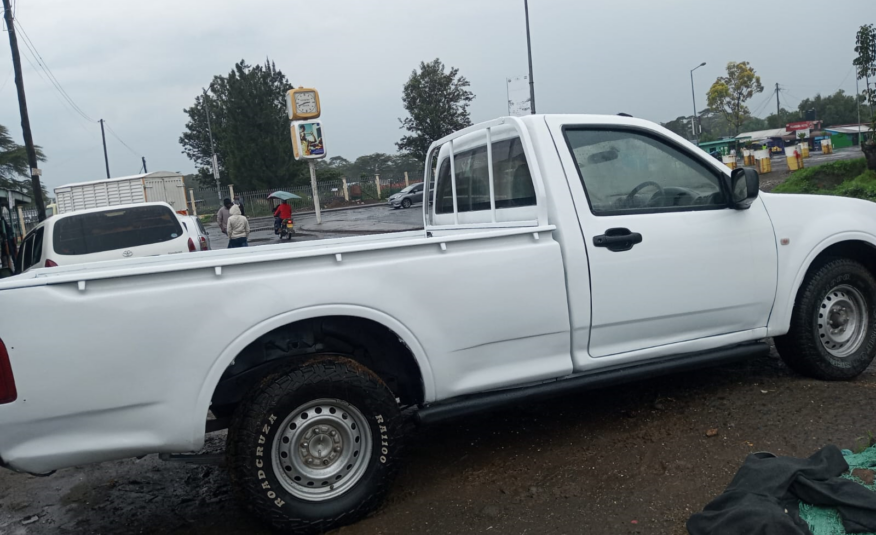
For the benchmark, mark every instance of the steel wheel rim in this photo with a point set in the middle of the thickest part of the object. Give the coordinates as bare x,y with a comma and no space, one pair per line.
322,450
842,320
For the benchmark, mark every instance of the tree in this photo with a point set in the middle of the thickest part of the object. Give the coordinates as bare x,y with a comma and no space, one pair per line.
782,118
250,130
838,108
14,164
437,104
729,94
865,67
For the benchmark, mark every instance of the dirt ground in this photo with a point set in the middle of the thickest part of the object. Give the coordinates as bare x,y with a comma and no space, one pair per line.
633,459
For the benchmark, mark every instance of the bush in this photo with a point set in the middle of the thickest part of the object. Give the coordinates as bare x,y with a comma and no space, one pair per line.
823,177
847,178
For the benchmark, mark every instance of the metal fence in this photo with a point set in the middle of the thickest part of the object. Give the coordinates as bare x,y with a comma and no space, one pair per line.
332,194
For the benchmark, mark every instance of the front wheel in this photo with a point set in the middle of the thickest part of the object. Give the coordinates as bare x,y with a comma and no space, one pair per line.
315,447
406,203
833,324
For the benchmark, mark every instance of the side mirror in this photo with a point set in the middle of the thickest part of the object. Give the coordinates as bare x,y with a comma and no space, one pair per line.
744,187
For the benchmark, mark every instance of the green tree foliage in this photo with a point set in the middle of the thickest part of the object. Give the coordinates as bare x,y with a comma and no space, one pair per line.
437,104
365,167
865,62
835,109
14,168
865,67
729,94
250,130
782,118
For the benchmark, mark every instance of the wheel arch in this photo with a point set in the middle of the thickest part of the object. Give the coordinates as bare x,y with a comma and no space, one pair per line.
858,246
243,341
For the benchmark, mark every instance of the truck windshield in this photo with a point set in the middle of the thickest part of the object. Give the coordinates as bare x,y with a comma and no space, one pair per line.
114,229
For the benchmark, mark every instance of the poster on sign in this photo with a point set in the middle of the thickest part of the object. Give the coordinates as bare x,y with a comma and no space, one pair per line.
519,102
307,140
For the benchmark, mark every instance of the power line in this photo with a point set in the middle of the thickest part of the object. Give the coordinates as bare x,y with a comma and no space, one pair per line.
8,77
844,79
42,62
110,128
78,119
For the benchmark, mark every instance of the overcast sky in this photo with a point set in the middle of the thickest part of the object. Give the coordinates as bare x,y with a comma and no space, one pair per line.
138,64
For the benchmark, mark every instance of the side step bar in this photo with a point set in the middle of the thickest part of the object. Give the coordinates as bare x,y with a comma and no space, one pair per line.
599,379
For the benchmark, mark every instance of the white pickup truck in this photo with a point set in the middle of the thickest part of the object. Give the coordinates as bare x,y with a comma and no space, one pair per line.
561,252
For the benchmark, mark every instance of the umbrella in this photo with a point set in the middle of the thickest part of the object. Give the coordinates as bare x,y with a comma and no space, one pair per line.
283,195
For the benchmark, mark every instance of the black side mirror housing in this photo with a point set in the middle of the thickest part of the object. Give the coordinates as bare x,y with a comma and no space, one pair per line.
744,185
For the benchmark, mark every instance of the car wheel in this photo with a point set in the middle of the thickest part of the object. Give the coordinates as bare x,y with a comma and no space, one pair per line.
833,324
406,203
316,446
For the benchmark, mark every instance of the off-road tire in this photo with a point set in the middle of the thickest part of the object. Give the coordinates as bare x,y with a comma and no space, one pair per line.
406,203
801,349
257,422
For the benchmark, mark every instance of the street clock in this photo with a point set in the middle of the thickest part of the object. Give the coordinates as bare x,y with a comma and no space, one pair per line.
302,103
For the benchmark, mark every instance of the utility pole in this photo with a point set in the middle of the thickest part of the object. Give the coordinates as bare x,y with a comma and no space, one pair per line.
105,157
144,164
529,53
25,120
215,160
693,120
778,108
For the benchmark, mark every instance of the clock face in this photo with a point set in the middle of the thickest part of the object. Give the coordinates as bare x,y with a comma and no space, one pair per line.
305,102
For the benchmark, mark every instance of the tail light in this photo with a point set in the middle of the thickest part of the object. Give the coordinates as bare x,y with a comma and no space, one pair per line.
50,263
8,393
192,248
203,243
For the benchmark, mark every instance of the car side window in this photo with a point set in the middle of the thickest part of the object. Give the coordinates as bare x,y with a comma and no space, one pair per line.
37,250
25,253
625,171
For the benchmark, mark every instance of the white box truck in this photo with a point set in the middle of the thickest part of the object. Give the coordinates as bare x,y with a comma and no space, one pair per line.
160,186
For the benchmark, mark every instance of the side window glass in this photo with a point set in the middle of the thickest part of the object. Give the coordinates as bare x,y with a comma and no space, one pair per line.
444,190
512,182
27,253
625,171
37,251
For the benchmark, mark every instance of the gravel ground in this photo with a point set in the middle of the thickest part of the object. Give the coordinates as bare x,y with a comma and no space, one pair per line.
633,459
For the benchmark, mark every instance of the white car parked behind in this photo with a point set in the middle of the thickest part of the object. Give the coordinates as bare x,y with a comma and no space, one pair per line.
109,233
196,230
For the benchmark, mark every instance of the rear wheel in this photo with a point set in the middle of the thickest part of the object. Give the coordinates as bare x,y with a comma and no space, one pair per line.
315,447
833,324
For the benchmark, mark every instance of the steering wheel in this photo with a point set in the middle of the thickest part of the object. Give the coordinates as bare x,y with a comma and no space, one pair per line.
640,187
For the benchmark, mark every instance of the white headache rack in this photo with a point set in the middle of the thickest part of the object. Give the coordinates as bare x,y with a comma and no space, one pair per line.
471,142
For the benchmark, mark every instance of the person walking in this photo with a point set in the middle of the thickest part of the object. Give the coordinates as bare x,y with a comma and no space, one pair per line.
223,214
238,228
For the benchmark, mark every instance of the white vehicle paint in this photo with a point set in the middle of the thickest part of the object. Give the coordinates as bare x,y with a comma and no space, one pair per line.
159,186
98,234
196,230
548,270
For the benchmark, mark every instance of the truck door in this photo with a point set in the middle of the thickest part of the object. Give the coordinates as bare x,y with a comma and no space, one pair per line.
669,260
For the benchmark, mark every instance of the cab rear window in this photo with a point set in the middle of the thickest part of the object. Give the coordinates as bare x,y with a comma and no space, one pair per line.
114,229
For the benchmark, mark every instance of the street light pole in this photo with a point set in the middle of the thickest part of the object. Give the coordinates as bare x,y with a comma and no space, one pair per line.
214,160
529,53
693,95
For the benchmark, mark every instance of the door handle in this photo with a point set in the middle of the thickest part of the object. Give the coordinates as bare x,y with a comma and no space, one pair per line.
617,239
